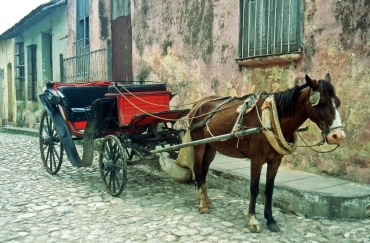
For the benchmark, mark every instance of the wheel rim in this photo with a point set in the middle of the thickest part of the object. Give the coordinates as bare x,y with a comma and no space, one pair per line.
113,165
51,147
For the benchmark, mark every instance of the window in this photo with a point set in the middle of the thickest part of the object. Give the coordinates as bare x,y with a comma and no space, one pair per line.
269,27
82,38
31,73
19,71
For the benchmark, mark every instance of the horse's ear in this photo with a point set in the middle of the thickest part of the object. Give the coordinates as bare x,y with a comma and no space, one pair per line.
327,78
311,82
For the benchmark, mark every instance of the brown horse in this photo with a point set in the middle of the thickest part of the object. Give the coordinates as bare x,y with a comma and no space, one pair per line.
315,100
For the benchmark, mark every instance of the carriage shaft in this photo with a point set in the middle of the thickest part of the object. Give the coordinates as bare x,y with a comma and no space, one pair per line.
208,140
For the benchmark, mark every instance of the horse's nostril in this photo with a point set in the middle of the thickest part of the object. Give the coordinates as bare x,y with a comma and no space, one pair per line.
335,136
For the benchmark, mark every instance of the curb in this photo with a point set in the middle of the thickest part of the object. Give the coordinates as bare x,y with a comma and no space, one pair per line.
311,204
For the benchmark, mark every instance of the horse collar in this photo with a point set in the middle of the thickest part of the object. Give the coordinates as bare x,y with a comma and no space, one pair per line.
272,129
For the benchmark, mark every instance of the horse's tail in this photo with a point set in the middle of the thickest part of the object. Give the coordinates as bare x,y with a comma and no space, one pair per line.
185,158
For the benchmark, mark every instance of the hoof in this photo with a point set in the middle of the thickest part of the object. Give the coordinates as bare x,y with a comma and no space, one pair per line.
204,210
273,227
255,228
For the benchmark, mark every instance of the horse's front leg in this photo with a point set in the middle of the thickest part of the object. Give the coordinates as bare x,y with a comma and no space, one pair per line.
272,169
256,167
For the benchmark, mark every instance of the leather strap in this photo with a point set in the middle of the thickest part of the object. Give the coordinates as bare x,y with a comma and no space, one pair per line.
205,120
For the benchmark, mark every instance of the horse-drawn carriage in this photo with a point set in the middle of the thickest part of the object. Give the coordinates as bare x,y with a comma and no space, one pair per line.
134,119
126,116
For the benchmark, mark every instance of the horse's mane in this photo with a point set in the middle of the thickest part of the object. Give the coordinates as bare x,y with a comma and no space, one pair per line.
286,101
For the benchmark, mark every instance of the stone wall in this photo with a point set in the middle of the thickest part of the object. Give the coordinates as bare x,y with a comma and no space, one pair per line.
192,46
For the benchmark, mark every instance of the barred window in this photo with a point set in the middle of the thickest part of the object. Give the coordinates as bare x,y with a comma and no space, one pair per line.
19,71
269,27
32,73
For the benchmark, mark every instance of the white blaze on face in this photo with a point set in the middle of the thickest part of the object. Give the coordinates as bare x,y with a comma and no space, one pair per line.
337,120
336,134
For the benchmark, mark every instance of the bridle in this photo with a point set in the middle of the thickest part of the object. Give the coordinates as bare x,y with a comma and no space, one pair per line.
325,130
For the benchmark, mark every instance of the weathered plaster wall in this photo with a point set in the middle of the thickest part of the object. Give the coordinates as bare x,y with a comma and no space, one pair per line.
99,20
99,23
6,63
71,28
28,112
336,41
191,45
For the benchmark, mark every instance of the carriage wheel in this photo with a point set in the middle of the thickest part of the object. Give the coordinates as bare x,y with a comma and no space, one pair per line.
51,147
113,165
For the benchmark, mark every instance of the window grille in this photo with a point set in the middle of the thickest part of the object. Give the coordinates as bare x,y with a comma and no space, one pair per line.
269,27
32,73
19,71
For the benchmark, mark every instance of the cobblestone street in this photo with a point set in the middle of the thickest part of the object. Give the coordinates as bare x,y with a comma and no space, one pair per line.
73,206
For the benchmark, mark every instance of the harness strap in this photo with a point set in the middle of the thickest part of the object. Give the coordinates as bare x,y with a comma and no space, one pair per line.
248,104
206,120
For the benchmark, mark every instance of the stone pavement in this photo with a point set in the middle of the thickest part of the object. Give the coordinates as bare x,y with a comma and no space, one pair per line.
301,192
73,206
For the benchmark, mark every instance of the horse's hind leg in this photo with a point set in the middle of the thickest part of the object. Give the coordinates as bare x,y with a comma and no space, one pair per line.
203,156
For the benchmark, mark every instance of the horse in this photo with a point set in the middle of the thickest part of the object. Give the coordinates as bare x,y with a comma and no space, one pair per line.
213,115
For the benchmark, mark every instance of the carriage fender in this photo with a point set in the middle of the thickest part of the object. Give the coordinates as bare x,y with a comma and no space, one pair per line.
62,129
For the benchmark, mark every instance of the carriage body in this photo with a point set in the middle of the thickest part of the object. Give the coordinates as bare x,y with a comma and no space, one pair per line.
131,119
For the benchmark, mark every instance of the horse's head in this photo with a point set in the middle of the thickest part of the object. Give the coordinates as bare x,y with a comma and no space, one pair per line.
322,108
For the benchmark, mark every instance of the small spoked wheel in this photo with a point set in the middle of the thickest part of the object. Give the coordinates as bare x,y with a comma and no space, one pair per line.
113,165
51,146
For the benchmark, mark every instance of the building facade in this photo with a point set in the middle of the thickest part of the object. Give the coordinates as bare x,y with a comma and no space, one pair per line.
32,48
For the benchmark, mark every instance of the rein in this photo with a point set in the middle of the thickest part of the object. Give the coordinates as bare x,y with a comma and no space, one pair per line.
317,144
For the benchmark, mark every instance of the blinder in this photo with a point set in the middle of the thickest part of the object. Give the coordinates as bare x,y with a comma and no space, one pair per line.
314,98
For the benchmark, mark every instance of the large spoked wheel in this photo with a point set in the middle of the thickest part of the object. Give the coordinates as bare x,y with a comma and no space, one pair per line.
113,165
51,146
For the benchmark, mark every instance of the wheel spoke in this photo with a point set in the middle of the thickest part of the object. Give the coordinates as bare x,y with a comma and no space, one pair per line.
105,176
47,154
110,180
109,147
117,180
43,148
114,150
52,159
55,155
113,176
